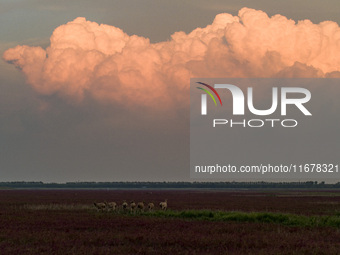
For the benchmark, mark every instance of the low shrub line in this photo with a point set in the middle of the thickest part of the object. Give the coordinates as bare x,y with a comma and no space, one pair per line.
287,219
258,217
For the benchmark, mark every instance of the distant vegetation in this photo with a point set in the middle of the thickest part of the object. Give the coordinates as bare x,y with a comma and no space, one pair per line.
170,185
255,217
286,219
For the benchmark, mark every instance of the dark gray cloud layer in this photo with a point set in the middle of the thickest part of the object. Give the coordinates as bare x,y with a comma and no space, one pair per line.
89,142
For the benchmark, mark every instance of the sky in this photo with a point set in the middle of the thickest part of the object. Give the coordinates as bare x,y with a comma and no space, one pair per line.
82,101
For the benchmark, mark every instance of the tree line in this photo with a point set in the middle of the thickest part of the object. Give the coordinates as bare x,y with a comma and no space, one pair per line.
161,185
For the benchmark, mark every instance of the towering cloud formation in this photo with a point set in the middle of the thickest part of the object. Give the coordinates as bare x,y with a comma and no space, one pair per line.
102,62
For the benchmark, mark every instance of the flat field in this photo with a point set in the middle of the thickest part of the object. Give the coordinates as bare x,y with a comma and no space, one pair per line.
196,222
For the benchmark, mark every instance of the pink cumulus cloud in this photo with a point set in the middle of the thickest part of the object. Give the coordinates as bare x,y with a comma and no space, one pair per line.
86,59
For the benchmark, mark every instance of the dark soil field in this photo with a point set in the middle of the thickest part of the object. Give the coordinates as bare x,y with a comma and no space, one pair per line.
196,222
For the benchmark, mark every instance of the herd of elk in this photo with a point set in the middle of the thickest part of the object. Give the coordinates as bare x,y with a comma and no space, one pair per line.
132,207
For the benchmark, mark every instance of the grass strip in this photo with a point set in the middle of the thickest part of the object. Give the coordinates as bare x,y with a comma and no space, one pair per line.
257,217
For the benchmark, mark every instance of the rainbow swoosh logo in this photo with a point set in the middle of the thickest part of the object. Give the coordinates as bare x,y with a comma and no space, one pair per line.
209,93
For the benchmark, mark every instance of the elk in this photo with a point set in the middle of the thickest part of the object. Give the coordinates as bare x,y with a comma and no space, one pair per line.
140,206
111,206
125,205
100,206
164,205
132,206
151,206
